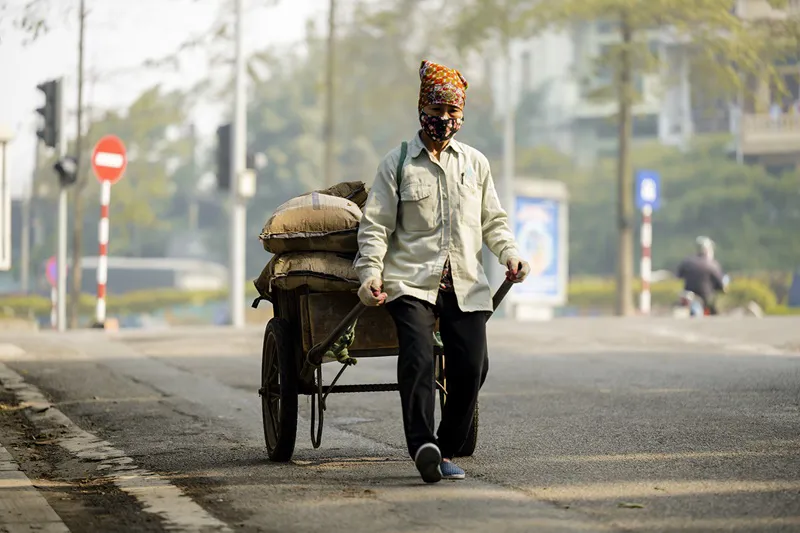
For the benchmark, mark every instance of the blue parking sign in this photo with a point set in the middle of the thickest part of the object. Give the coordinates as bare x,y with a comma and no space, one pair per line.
648,189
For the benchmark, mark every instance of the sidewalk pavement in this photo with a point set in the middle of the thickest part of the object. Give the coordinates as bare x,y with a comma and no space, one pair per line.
22,508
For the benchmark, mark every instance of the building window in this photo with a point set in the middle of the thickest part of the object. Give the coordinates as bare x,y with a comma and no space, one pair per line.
607,26
644,126
605,65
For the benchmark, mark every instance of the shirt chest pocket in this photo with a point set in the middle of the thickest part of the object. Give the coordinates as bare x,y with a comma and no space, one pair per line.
471,203
418,205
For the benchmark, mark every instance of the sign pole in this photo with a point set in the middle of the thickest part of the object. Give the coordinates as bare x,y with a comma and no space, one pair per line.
646,261
61,284
109,160
102,256
51,273
648,199
53,302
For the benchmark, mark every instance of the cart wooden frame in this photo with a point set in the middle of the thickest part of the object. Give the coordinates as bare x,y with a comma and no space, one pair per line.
304,327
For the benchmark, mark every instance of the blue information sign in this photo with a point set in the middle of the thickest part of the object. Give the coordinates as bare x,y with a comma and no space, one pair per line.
648,189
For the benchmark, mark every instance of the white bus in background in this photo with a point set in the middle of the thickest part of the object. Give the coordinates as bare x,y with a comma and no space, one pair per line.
127,274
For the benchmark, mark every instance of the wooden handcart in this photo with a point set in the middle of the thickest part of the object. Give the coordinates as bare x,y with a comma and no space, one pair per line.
307,331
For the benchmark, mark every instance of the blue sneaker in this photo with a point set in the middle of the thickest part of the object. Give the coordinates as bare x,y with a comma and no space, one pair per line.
428,459
451,471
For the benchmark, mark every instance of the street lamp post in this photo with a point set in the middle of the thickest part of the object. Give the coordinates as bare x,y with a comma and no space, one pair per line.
6,135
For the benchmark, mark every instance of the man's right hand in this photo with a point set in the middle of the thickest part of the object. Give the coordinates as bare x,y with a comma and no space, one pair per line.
371,292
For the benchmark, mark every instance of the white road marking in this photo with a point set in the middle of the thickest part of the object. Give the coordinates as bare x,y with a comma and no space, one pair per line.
10,351
692,338
156,494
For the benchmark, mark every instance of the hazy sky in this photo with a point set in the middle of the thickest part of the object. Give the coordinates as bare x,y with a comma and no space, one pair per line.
120,34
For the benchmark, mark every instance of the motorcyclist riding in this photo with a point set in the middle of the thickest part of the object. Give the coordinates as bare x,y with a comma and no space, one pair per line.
702,274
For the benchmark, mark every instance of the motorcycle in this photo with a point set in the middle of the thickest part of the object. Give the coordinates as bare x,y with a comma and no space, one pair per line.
692,305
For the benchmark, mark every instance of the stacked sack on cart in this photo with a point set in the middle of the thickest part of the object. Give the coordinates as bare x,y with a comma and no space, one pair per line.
314,241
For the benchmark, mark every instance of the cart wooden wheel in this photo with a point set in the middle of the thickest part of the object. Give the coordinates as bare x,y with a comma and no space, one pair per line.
441,383
279,390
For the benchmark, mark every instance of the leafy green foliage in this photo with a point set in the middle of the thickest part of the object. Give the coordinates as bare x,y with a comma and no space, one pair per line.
157,146
598,294
751,214
145,301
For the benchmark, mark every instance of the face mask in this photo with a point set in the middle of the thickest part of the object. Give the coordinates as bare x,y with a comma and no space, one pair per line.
439,129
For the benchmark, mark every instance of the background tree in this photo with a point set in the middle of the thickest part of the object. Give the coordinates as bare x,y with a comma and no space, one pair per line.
376,91
751,214
152,127
494,25
726,46
30,18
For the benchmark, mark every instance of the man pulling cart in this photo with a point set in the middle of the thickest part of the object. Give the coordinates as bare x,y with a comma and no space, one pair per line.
411,250
430,210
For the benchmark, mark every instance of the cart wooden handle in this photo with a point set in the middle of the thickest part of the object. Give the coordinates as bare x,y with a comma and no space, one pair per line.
316,353
498,297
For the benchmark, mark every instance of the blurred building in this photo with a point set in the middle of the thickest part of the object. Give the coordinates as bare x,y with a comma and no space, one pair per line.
770,126
545,90
558,69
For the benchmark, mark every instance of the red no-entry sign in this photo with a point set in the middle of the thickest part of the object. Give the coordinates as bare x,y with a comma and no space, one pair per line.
109,159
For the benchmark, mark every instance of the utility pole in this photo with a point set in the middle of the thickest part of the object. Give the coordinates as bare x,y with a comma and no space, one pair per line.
77,201
238,225
25,252
329,170
54,135
6,136
61,258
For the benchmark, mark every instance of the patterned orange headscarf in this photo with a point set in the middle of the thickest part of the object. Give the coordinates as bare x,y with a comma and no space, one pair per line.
441,85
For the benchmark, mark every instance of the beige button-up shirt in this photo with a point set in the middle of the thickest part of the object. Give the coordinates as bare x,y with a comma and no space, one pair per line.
445,207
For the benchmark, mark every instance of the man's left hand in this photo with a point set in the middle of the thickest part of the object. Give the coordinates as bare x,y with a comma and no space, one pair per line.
517,270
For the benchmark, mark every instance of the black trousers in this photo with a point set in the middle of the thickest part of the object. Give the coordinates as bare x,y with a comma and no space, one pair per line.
464,338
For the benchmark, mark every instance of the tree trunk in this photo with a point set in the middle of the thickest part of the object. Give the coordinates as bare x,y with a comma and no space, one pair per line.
77,198
624,175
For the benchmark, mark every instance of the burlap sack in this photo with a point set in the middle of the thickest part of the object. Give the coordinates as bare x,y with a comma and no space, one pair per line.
320,271
313,222
355,191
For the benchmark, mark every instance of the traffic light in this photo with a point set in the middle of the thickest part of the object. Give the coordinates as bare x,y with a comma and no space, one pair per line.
50,112
67,170
224,157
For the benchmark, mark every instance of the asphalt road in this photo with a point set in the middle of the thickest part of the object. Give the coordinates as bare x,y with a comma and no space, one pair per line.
586,425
